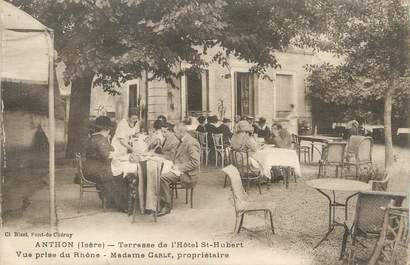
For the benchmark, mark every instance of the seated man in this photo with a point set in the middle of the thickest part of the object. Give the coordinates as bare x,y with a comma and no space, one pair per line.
263,130
281,137
226,132
202,123
186,164
171,142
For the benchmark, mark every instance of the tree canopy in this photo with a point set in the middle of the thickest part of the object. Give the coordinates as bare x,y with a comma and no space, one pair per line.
117,40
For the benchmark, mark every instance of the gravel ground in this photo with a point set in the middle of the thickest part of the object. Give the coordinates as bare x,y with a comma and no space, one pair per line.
300,220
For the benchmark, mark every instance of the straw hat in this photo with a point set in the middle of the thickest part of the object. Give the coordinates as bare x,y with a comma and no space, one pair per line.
244,126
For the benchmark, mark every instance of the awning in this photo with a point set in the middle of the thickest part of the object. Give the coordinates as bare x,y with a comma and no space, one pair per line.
24,42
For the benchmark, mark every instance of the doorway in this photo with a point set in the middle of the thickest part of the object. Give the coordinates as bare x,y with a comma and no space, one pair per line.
244,94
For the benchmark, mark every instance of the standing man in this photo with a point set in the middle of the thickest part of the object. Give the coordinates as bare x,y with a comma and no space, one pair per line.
185,169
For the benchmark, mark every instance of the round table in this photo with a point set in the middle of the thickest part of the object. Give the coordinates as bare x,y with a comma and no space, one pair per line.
333,185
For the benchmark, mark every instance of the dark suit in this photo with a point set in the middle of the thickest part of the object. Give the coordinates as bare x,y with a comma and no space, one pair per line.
187,161
226,132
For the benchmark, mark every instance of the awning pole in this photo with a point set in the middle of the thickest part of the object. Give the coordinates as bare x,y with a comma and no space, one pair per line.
1,127
51,128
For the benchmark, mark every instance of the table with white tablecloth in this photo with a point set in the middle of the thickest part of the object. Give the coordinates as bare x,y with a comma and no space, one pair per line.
269,157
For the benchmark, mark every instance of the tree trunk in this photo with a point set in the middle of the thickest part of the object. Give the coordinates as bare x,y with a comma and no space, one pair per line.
388,159
78,121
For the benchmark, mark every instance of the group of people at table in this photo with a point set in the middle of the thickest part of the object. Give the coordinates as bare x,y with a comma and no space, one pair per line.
109,159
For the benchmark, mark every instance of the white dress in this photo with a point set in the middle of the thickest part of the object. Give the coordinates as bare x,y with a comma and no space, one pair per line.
293,123
120,163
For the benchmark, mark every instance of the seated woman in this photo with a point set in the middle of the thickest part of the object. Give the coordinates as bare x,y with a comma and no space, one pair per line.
243,141
97,167
281,137
156,140
226,132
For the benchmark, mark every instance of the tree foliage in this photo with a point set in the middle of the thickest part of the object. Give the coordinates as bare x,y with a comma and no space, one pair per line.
117,40
337,93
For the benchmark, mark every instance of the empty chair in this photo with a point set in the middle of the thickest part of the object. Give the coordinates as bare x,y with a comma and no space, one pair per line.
203,141
243,204
85,185
333,154
359,152
301,149
220,150
393,240
241,161
368,220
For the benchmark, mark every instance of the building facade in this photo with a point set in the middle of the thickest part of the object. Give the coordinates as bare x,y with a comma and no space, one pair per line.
216,91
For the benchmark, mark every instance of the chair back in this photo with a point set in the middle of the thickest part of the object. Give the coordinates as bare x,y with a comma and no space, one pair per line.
364,153
203,139
218,141
353,144
369,216
334,152
240,160
240,197
79,166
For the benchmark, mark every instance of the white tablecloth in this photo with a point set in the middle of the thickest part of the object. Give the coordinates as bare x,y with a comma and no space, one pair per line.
403,131
269,157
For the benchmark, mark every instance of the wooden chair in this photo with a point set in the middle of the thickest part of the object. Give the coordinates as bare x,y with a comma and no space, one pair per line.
220,150
85,185
243,204
394,236
368,220
241,161
359,152
189,190
333,155
204,147
301,149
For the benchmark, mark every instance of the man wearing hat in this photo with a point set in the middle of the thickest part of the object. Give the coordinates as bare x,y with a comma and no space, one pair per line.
226,131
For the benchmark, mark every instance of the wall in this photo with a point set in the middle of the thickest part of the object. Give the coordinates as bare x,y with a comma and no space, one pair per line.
20,128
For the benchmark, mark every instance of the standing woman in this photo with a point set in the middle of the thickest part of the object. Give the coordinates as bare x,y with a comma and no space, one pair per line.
97,166
293,120
126,129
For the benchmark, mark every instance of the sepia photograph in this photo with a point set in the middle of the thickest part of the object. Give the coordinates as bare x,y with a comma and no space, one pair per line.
184,132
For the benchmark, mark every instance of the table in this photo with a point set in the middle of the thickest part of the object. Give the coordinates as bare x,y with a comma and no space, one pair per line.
333,185
270,156
319,139
145,188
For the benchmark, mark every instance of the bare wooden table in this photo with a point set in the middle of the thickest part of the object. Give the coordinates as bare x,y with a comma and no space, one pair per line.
333,185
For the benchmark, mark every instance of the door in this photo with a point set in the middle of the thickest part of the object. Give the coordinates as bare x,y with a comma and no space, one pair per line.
245,92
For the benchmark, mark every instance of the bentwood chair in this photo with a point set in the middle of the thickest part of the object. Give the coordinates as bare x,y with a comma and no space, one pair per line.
394,237
189,190
359,152
220,150
333,154
204,147
368,221
301,149
244,205
85,185
241,160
